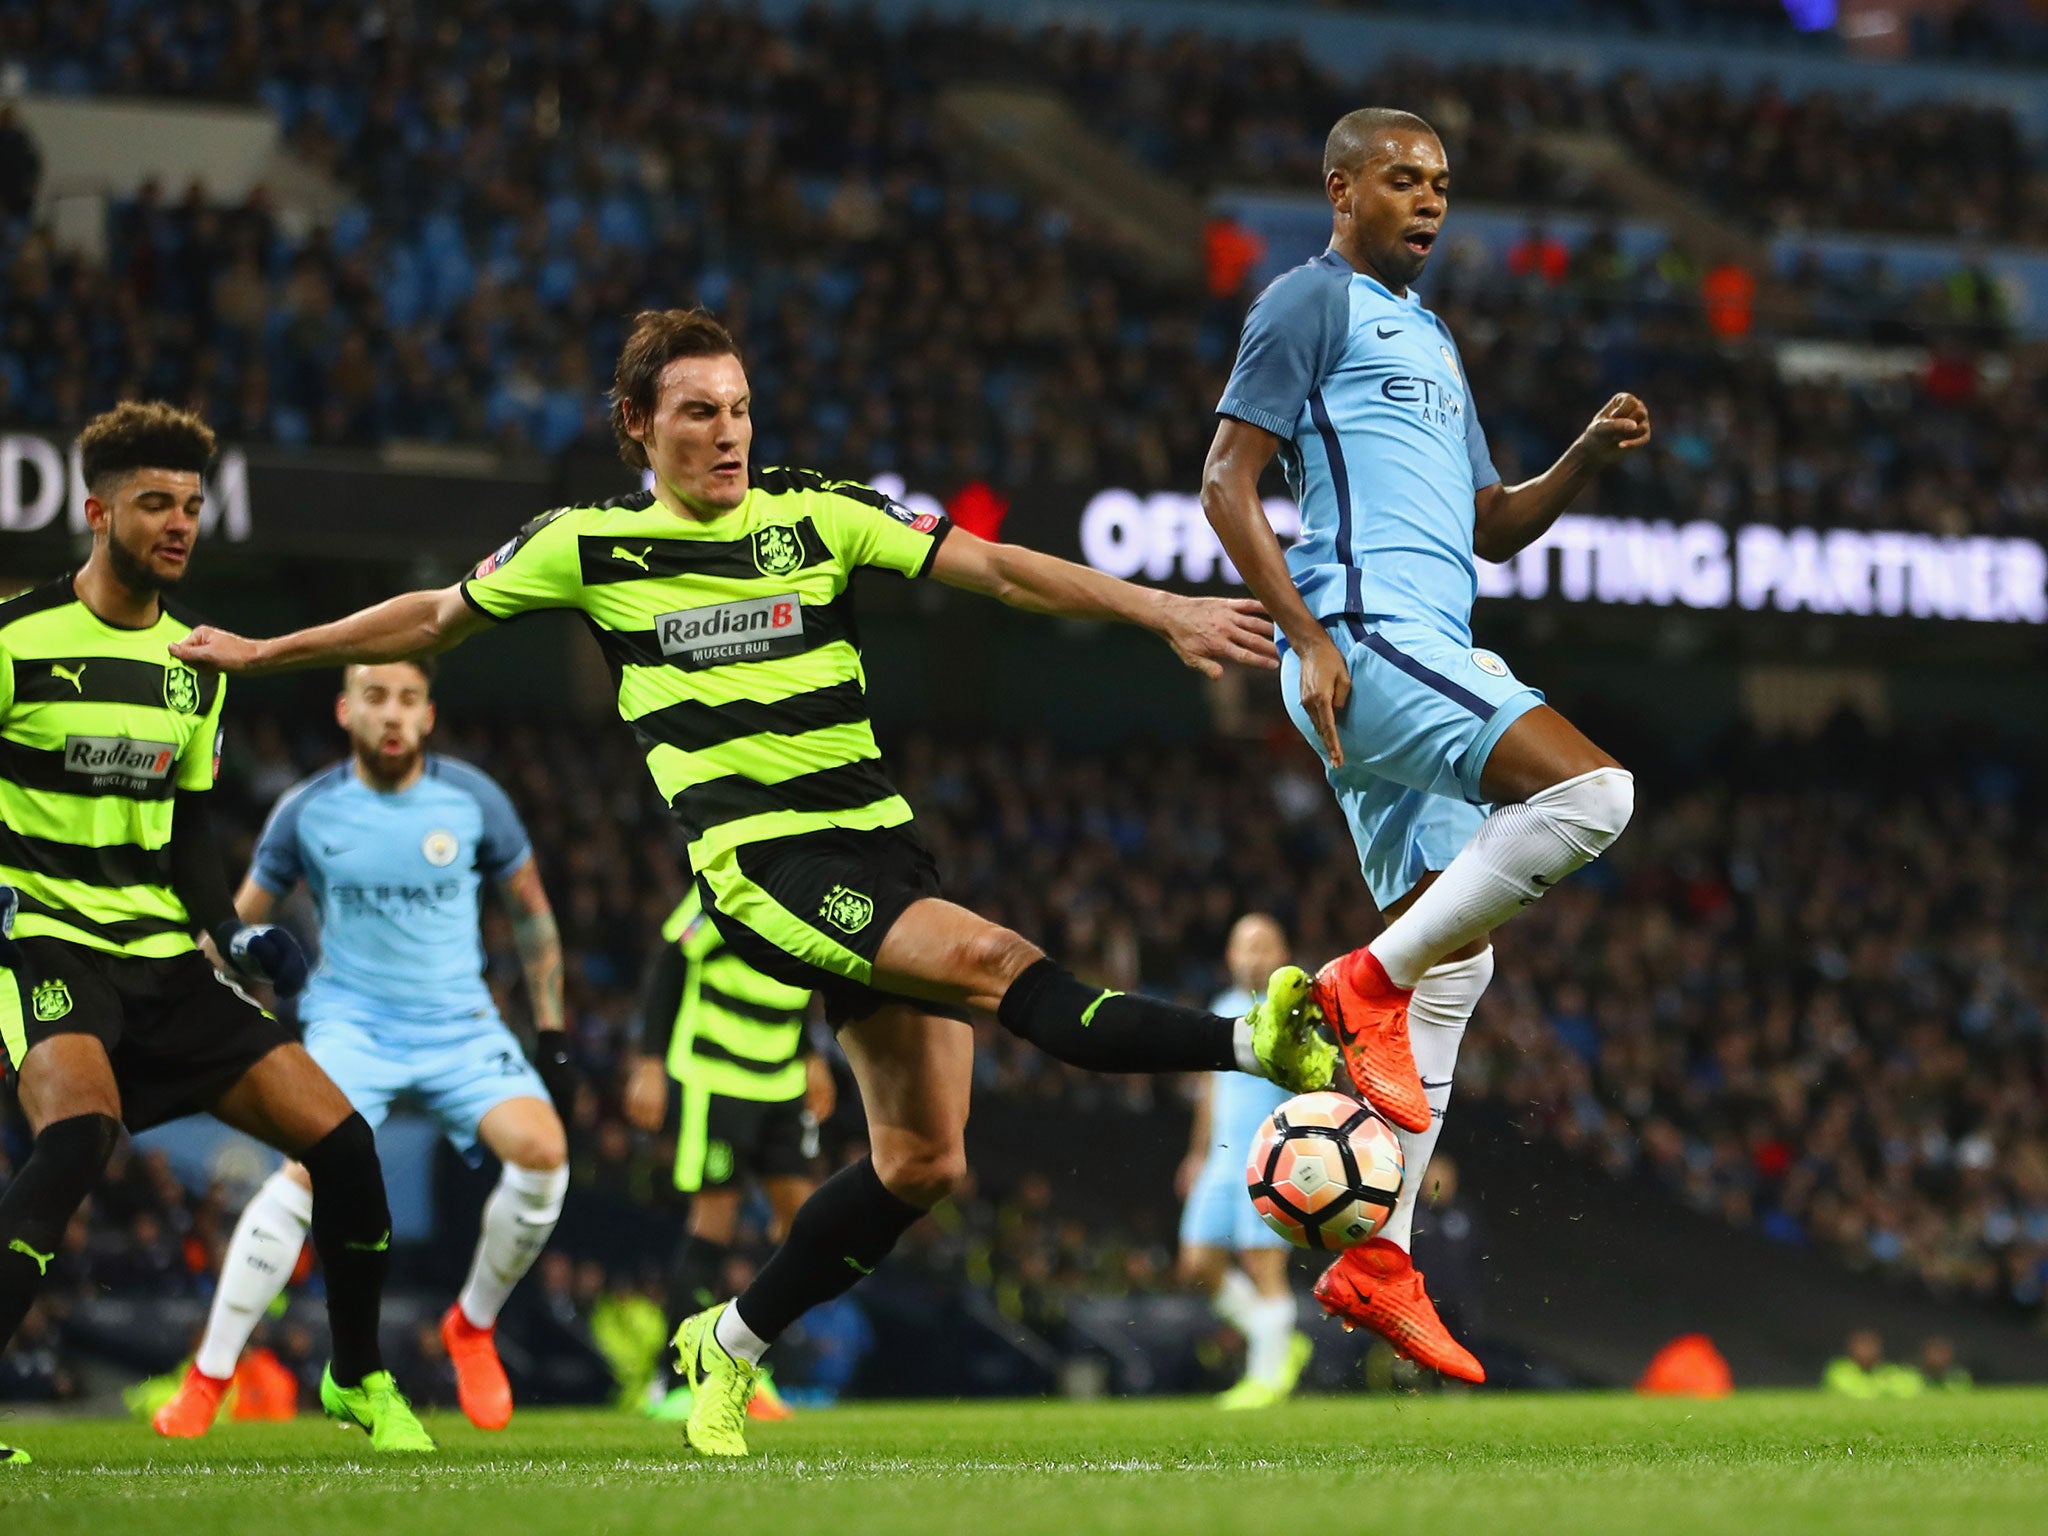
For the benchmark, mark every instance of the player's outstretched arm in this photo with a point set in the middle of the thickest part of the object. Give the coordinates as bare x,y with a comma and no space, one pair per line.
1205,632
397,629
1230,500
1506,519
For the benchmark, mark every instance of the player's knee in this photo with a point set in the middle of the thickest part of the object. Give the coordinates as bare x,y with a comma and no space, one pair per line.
539,1148
995,957
65,1163
346,1155
1593,808
924,1174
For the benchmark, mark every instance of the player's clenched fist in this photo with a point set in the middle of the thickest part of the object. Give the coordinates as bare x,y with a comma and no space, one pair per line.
1622,426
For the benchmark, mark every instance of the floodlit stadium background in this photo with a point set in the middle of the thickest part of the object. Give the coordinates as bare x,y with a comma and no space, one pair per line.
1792,1028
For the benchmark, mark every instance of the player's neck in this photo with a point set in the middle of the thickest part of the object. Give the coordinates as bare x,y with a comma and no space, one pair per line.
1360,264
385,786
111,600
689,512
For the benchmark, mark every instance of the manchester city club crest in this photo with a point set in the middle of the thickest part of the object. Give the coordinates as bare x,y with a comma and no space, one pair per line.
440,848
848,911
181,689
777,551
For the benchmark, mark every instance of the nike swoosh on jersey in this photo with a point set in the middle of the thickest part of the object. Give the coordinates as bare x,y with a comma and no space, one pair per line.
1383,333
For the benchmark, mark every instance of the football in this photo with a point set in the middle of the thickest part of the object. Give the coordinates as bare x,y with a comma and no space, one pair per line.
1324,1171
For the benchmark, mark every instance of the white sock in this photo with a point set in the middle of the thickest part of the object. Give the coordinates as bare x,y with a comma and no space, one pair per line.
1241,1042
1518,853
1265,1345
736,1338
259,1263
519,1218
1236,1300
1437,1016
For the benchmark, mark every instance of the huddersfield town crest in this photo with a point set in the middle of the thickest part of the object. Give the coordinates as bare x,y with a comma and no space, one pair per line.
848,911
50,1000
181,690
777,551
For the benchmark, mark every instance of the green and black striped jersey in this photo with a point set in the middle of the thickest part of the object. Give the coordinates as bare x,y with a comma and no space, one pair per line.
99,729
732,644
737,1032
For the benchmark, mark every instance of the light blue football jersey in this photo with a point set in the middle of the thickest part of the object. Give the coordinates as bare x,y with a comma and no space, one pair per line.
1380,442
1238,1102
397,877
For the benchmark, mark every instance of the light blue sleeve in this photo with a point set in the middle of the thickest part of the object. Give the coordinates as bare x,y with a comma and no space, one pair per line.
277,865
504,845
1481,457
1292,340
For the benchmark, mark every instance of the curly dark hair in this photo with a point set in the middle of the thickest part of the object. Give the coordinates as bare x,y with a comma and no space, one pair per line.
658,338
142,434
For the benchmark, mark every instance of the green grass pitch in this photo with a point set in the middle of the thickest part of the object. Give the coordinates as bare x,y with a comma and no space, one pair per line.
1755,1463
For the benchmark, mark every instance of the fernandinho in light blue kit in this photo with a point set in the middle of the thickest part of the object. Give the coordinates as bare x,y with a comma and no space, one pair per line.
396,846
1359,390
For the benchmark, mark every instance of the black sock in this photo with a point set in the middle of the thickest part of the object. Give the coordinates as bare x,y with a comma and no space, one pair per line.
1113,1031
696,1278
842,1232
352,1235
62,1167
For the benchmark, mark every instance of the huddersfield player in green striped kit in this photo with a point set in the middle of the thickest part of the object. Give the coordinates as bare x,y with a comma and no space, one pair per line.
109,1012
751,1094
721,602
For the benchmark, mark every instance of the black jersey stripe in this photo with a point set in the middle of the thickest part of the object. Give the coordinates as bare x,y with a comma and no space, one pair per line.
128,930
44,769
107,680
704,1048
759,1013
848,787
642,557
54,593
118,864
695,727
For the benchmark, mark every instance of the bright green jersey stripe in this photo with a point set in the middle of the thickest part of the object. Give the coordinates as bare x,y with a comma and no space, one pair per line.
737,986
106,905
843,787
712,848
644,689
766,760
91,821
694,727
13,1037
116,864
762,1047
742,901
147,937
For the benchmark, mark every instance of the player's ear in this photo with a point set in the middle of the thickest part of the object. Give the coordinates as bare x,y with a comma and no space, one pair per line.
341,709
427,724
97,514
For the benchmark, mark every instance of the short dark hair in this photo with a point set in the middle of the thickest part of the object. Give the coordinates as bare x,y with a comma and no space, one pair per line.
1351,139
426,666
658,338
142,434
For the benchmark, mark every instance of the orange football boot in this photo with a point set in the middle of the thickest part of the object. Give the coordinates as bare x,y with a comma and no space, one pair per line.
480,1384
766,1405
1369,1016
1376,1286
191,1411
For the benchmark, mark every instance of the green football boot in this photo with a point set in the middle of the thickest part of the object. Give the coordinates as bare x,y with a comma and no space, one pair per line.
14,1456
1250,1394
721,1386
1291,1050
674,1408
378,1406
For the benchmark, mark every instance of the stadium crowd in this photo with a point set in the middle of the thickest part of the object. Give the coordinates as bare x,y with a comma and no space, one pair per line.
520,187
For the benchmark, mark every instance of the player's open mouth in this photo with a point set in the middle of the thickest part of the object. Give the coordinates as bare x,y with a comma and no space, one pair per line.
729,468
1419,240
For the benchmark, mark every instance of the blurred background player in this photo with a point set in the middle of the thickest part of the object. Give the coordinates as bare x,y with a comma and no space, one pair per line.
112,1016
1225,1248
395,845
751,1095
1357,387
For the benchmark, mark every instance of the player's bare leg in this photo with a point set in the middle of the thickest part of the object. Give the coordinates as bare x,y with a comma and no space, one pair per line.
944,952
1560,802
519,1217
916,1072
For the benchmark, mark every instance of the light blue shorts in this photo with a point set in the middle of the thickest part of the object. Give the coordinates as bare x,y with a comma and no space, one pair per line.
1220,1214
458,1078
1424,713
